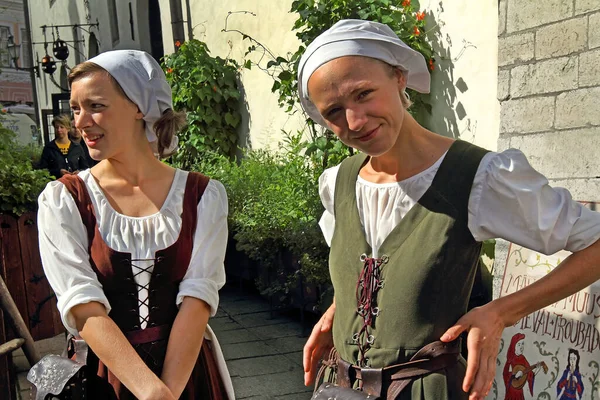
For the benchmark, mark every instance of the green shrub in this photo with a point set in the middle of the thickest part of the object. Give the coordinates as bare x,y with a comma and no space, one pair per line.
274,208
20,184
207,88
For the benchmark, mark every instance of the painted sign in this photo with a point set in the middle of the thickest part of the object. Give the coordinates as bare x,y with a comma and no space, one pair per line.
553,353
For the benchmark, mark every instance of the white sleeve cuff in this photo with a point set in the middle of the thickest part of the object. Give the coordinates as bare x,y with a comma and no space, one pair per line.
76,295
202,289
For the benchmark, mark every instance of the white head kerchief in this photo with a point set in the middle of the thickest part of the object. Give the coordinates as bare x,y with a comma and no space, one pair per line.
144,82
354,37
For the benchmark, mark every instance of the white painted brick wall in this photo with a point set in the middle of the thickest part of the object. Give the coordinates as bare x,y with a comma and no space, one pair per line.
578,108
561,38
524,14
548,76
534,114
515,48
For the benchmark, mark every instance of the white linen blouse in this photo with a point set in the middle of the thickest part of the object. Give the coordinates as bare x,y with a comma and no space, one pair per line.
64,244
508,200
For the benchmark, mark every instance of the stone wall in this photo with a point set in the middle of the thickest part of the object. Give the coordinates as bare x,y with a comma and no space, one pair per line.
549,92
549,89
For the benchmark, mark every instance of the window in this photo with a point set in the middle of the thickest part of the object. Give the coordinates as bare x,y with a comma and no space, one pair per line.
114,20
4,57
25,49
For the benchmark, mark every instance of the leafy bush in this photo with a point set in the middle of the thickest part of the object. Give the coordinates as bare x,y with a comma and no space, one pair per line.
207,88
274,207
20,184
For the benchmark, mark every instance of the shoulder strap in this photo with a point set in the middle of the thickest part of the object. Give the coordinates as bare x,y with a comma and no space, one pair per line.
345,182
454,178
194,189
78,190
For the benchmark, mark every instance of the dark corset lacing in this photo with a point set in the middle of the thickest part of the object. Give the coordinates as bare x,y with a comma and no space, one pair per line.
369,284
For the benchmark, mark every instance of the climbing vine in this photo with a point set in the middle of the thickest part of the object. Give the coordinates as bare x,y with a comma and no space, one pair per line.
206,87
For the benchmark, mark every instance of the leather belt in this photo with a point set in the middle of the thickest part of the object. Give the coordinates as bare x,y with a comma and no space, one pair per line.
148,335
432,357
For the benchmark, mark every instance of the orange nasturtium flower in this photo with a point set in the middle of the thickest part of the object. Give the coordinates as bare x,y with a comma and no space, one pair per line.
406,3
420,16
431,67
416,31
177,43
169,70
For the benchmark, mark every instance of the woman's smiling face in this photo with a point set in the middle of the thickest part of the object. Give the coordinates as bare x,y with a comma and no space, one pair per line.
108,121
359,98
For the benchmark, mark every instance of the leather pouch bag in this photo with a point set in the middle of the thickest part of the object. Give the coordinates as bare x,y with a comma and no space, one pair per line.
329,391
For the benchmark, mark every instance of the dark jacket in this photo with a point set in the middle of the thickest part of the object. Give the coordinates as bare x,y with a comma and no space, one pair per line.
53,160
91,162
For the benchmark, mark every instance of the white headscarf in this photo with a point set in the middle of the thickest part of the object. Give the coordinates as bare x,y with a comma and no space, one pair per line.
144,82
354,37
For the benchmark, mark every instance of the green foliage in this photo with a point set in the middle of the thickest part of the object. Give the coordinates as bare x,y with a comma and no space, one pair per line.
274,208
20,184
207,88
326,151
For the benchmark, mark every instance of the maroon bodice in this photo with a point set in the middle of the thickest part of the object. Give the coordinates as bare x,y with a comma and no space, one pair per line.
114,272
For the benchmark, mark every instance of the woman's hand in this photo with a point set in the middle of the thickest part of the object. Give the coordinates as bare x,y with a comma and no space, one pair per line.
485,326
319,343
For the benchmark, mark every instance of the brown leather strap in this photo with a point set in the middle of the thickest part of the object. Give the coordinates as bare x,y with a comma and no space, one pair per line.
344,372
148,335
372,380
432,357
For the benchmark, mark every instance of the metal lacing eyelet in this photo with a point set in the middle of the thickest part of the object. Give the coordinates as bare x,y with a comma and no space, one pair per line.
355,338
376,311
370,340
380,285
385,259
363,257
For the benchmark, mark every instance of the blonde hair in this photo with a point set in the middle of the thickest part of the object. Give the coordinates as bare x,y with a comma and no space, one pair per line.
63,120
165,127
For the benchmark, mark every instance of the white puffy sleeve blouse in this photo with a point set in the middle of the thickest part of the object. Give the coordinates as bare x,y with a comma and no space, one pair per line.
508,200
64,244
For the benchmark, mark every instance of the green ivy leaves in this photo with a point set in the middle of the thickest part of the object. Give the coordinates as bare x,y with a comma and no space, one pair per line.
207,88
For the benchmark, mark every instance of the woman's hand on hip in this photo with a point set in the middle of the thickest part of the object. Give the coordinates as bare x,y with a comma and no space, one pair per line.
485,326
319,343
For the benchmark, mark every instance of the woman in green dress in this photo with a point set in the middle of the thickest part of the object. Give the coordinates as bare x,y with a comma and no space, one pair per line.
405,219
